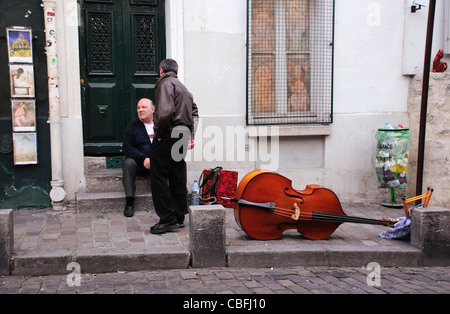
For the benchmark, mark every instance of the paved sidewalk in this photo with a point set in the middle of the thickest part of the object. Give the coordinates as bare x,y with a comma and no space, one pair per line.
46,241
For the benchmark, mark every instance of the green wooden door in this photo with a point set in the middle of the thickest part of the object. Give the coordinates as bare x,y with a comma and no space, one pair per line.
122,43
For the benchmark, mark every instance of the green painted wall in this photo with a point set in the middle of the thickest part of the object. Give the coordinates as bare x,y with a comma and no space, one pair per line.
24,187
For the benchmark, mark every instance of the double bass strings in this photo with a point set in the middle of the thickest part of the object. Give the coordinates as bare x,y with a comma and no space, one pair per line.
313,215
321,216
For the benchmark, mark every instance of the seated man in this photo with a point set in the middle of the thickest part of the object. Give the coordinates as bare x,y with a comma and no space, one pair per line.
137,141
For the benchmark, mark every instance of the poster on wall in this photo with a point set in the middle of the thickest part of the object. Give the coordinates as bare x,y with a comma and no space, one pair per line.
23,115
21,80
22,87
25,148
20,47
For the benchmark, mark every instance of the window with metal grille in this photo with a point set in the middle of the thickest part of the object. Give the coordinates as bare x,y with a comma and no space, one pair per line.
290,61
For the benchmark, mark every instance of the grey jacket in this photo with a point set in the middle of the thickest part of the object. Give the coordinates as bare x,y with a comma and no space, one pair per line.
174,106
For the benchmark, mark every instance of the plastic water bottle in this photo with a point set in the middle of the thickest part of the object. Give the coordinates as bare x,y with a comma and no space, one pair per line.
195,197
388,126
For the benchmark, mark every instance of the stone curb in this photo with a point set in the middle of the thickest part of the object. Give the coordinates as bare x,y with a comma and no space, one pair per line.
100,261
311,255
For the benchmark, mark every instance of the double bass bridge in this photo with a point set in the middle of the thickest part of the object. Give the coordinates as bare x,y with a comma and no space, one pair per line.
296,215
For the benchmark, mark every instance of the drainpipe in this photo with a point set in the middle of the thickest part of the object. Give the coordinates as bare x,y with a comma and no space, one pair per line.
57,194
424,104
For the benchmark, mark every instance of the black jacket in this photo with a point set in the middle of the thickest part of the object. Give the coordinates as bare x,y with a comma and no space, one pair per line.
174,106
136,142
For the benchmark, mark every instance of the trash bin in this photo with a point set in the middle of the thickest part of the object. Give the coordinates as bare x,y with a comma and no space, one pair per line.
391,159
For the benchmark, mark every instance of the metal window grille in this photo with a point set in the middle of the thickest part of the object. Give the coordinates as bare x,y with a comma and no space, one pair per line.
290,61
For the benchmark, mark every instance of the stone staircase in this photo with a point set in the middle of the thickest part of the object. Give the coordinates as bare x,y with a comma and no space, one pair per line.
104,190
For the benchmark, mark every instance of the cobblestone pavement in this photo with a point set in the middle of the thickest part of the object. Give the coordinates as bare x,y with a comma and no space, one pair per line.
46,230
296,280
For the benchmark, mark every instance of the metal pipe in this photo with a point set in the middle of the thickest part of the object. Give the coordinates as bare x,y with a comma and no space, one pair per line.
424,104
57,194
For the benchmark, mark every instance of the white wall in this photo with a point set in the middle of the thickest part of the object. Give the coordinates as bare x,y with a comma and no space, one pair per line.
208,37
369,89
415,35
215,54
215,72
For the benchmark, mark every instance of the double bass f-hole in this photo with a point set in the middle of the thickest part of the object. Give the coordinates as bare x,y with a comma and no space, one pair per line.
296,215
294,196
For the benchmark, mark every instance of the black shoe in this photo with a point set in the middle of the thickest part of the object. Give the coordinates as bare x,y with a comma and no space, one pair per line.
180,221
163,227
129,211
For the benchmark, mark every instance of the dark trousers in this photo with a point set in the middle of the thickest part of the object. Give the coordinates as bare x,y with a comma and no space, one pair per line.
168,182
130,171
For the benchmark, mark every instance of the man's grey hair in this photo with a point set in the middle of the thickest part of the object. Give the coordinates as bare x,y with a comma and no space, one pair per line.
169,65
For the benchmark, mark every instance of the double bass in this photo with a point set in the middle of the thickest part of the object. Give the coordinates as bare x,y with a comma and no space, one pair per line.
266,205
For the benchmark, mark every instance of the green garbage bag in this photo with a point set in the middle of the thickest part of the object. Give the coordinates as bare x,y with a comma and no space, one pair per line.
391,159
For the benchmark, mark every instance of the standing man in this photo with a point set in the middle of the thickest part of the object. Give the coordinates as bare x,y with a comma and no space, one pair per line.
175,110
137,141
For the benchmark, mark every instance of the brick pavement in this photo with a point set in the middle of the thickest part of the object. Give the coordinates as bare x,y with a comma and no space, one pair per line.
293,280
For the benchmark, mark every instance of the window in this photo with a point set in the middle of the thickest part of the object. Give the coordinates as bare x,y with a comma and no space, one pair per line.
290,61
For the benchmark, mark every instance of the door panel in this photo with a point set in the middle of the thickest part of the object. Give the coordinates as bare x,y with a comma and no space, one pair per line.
139,91
121,46
146,32
147,2
143,50
100,1
102,122
101,33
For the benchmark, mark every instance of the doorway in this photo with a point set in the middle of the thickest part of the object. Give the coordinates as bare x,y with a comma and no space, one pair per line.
122,43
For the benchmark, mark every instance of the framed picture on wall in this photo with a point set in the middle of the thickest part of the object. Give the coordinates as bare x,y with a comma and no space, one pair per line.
21,80
20,45
23,115
25,148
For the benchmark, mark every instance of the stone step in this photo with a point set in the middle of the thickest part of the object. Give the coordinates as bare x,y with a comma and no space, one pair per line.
104,189
110,180
112,201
